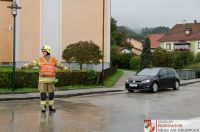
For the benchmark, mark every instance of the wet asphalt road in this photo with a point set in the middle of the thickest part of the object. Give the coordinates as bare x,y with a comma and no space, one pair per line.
113,112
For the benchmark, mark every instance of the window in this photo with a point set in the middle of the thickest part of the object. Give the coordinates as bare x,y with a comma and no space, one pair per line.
188,31
170,72
198,45
168,46
149,72
162,72
181,46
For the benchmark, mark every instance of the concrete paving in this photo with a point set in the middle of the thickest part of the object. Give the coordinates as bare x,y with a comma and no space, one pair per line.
110,112
119,86
25,116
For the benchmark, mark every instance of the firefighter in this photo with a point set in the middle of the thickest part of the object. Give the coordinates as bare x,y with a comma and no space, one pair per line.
47,79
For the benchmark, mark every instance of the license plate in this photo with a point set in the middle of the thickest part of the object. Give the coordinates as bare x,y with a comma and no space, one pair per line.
133,85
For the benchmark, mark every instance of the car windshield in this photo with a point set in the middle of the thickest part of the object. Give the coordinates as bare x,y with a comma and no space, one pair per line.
149,72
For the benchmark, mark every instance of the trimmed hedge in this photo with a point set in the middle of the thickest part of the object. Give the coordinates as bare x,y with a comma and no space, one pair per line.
30,79
77,78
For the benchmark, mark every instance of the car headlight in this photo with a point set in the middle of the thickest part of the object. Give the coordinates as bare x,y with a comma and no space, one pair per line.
146,81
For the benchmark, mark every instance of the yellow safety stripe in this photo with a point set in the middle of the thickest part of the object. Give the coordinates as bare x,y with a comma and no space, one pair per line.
32,64
61,66
43,103
51,102
25,66
35,63
48,80
66,68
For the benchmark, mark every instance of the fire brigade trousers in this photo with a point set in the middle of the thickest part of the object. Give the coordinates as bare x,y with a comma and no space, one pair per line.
44,89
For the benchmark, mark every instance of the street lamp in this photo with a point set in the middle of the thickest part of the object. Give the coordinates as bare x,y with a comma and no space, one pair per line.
14,7
103,37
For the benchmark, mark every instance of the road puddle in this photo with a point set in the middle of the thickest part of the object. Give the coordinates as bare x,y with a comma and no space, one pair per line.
25,116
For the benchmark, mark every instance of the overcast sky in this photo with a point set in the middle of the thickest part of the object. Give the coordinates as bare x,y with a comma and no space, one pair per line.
151,13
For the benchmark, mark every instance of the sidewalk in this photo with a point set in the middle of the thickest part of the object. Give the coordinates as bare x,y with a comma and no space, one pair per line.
58,94
71,93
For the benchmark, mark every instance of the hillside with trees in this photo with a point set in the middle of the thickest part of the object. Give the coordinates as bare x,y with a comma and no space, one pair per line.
119,37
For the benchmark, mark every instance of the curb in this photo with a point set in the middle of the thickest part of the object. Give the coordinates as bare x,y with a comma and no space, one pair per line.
183,84
77,94
61,96
68,89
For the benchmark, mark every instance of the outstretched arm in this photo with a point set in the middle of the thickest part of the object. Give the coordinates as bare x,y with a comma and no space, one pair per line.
31,64
61,66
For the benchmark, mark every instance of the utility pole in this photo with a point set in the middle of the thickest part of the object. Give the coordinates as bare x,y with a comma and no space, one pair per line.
103,37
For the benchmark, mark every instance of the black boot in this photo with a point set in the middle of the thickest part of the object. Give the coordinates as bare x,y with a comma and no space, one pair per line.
51,108
43,109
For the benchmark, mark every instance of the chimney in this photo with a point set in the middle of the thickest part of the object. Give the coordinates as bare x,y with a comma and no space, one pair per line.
195,21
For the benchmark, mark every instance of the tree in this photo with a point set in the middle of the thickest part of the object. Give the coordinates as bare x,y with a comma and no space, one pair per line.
113,25
130,32
146,56
119,38
115,55
155,30
113,31
163,58
83,52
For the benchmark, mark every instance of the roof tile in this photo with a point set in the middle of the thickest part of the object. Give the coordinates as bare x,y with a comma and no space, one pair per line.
154,39
178,33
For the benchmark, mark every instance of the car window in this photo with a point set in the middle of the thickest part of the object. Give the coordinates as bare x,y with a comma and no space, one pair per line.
170,72
148,72
162,72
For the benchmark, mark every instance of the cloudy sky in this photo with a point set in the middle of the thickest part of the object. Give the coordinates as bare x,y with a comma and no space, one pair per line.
151,13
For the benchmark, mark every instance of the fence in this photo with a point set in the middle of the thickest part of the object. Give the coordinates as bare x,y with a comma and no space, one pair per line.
107,72
187,74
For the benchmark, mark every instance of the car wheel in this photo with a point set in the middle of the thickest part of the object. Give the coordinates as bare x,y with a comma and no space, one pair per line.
130,91
155,87
176,86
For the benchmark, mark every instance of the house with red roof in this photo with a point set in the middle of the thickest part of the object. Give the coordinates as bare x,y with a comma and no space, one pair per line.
182,37
154,40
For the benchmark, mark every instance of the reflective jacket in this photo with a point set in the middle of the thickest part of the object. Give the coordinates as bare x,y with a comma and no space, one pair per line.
47,68
41,63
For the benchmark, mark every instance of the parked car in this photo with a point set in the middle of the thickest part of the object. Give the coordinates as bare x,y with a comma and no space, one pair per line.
153,79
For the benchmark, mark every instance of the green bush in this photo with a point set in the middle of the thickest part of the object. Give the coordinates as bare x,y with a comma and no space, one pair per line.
194,66
135,63
120,60
30,79
124,61
162,58
183,59
175,59
115,55
197,58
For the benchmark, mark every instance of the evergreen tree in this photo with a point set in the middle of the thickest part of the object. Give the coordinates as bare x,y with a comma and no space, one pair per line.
146,57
